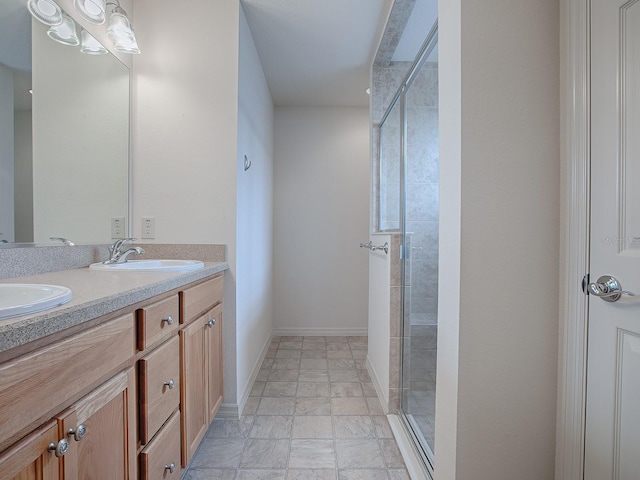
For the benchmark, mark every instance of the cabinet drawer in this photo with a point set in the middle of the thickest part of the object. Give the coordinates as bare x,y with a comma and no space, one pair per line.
197,300
159,387
157,321
163,452
37,383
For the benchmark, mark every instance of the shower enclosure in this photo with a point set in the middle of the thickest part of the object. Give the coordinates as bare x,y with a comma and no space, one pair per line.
408,192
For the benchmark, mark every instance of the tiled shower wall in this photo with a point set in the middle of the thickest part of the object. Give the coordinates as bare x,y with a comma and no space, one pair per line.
422,218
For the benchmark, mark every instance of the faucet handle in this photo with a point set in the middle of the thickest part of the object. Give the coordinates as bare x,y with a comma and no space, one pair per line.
118,244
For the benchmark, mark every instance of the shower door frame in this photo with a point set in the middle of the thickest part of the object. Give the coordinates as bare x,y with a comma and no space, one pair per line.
427,47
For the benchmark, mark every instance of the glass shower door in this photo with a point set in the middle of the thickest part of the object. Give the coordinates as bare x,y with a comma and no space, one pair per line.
420,242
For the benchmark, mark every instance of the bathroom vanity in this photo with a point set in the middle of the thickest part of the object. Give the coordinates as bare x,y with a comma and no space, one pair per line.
113,392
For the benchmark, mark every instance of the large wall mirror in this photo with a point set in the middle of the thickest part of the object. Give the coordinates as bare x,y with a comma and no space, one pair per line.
64,136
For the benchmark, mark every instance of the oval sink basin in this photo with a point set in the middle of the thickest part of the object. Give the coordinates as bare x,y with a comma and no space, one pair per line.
25,298
149,266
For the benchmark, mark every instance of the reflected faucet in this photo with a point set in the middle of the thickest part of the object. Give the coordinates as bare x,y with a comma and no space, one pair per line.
120,250
66,241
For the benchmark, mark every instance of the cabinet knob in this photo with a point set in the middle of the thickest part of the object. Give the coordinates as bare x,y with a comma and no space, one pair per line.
211,323
170,384
171,467
169,320
60,448
78,433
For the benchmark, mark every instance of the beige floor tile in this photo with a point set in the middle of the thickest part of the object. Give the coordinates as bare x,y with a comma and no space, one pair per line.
313,406
346,389
307,474
271,426
349,406
359,453
276,406
312,389
280,389
312,426
312,454
313,414
260,453
313,376
353,426
313,364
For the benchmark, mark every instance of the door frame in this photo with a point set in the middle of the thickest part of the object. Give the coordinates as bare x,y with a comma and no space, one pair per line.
574,244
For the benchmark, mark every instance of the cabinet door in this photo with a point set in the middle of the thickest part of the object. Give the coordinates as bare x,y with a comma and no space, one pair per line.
215,361
193,395
101,431
31,459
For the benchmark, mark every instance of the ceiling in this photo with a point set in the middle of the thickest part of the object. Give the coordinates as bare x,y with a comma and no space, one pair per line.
317,52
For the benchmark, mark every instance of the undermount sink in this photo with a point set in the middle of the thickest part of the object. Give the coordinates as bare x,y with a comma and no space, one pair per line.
25,298
149,266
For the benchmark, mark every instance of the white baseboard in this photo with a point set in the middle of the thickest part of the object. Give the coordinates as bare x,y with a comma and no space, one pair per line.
228,410
320,332
412,460
246,390
382,394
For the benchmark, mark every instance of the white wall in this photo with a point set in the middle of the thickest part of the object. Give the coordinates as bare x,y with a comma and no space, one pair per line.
23,176
201,104
184,134
500,205
321,216
379,325
254,266
6,154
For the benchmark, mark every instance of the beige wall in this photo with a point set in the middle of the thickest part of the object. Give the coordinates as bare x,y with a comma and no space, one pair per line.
184,134
80,141
321,216
498,308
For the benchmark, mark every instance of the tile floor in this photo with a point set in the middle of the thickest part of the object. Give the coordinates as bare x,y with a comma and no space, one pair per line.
313,414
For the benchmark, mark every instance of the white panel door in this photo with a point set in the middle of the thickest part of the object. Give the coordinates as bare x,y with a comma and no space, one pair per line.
612,444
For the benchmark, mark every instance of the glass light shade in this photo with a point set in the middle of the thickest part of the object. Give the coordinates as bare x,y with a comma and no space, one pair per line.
45,11
92,10
64,33
90,45
120,33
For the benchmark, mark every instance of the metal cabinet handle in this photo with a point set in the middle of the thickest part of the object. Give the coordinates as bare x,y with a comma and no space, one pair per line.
608,288
170,384
171,467
78,433
211,323
169,320
60,448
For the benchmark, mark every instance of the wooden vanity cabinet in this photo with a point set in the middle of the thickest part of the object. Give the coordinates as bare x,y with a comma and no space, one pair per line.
100,429
201,367
130,398
44,382
31,458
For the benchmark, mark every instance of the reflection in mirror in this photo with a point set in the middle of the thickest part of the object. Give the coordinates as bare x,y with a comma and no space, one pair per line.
64,149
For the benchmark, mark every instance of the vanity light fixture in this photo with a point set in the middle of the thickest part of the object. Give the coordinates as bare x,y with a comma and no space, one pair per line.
120,31
368,91
93,11
45,11
90,45
64,33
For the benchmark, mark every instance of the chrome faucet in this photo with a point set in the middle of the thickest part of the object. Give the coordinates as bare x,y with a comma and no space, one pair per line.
66,241
120,250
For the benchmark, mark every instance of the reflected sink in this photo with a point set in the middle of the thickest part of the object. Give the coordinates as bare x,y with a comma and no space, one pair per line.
149,266
25,298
